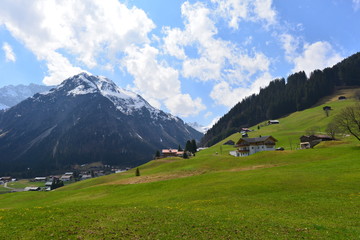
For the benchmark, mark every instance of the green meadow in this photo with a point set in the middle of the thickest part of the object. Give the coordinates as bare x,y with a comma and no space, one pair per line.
291,194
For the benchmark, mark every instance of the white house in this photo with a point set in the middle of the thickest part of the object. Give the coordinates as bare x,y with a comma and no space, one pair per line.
248,146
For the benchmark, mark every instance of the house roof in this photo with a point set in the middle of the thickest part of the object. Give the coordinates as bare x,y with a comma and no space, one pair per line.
256,140
66,176
169,151
318,136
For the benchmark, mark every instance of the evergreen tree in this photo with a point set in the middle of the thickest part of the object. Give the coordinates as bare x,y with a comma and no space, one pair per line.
193,146
137,172
157,154
188,146
180,149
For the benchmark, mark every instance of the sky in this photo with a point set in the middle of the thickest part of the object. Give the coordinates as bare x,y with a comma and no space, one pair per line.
195,59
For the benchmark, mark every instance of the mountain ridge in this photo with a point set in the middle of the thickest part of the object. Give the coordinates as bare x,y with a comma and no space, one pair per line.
282,97
13,94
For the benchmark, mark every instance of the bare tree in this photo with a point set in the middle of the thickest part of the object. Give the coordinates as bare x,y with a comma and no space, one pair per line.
312,130
348,120
332,129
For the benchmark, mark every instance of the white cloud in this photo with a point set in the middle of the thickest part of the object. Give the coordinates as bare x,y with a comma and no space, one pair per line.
290,44
356,5
236,11
156,81
318,55
151,78
217,59
9,53
215,120
208,114
183,105
224,94
89,30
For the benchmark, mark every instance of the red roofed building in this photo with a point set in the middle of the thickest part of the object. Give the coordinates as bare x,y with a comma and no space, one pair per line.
171,153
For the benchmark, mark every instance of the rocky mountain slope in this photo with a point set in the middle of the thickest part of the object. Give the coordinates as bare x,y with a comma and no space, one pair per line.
85,119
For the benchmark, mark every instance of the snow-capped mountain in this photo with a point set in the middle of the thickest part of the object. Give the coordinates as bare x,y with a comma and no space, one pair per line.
12,95
198,127
86,119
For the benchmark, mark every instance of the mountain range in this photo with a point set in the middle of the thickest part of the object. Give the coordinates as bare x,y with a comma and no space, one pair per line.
12,95
85,119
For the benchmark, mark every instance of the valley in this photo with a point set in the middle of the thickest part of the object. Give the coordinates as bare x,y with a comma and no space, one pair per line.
290,194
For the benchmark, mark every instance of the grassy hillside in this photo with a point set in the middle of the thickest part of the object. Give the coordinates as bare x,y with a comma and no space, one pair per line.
294,194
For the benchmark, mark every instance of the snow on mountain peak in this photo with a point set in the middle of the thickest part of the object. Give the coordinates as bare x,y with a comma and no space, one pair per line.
125,101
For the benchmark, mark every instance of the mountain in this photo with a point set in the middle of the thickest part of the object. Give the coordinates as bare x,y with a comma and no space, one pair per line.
12,95
85,119
282,97
198,127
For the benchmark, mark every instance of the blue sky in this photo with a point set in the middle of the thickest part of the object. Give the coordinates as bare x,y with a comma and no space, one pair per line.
195,59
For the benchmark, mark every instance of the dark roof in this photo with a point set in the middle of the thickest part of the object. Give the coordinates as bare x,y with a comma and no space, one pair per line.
230,142
257,139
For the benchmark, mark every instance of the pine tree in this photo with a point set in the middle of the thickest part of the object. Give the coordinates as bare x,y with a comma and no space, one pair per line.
180,149
193,146
188,146
157,154
137,173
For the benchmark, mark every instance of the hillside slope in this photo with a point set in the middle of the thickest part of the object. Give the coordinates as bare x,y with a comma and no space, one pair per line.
281,98
311,194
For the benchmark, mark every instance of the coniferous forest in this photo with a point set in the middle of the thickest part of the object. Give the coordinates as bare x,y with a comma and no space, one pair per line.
282,97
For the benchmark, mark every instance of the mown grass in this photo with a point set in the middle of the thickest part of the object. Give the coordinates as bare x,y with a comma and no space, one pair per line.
302,194
23,183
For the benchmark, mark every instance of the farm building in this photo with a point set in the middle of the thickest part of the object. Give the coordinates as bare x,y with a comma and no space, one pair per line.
171,153
312,140
273,122
248,146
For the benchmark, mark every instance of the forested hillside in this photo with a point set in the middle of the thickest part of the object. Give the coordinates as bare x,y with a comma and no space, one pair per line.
282,97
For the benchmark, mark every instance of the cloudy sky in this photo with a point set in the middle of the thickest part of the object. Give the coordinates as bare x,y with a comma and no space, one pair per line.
195,59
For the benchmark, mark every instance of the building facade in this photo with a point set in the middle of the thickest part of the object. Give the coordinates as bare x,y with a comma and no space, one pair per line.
249,146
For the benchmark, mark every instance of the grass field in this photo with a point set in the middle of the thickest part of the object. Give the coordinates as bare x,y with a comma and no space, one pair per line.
23,183
293,194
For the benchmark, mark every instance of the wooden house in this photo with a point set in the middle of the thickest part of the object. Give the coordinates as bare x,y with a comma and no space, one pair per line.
249,146
171,153
273,122
312,140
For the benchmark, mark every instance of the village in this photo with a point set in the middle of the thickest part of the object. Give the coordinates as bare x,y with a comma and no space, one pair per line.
48,183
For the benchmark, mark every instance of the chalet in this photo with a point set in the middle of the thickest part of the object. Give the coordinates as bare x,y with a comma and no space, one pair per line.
312,140
86,176
40,179
66,178
244,130
171,153
248,146
49,186
32,189
6,179
273,122
342,98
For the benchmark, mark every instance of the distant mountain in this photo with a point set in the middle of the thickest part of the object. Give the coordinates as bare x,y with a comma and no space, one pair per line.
198,127
12,95
282,97
85,119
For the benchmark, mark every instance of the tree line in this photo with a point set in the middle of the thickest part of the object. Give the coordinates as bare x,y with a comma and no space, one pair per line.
282,97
